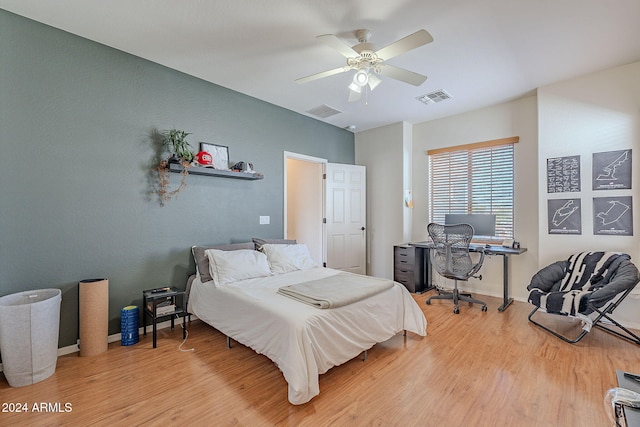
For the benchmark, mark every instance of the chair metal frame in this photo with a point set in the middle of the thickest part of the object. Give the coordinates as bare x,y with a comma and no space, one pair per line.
449,239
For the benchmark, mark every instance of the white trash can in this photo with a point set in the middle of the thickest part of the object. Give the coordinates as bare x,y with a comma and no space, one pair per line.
29,325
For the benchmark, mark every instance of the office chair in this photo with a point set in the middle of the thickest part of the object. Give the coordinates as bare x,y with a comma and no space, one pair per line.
450,257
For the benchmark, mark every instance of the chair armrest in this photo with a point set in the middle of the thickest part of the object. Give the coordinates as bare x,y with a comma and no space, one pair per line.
478,265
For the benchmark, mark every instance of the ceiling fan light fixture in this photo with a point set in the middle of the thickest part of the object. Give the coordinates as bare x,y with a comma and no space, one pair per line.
361,77
374,81
354,87
354,96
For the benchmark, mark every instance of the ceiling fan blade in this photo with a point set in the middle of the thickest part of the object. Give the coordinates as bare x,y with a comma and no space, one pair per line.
322,74
337,44
402,75
412,41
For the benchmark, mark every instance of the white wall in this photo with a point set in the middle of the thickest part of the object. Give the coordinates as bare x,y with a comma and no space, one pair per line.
381,150
517,118
594,113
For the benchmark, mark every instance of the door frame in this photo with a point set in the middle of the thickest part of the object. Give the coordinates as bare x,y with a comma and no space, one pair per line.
311,159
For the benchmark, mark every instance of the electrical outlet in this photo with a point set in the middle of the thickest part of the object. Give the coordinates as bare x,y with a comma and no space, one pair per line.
265,219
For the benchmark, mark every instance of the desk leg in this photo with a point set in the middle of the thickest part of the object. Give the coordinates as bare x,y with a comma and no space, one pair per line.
505,283
426,255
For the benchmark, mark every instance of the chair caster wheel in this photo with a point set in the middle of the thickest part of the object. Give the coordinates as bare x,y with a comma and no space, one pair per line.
428,302
484,308
456,310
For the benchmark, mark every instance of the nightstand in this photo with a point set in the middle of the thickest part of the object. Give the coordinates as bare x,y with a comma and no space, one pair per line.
163,302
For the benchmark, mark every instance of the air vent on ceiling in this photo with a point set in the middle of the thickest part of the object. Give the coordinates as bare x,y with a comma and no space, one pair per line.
323,111
434,97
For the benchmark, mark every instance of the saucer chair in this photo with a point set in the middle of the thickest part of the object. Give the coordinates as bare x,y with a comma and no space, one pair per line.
588,286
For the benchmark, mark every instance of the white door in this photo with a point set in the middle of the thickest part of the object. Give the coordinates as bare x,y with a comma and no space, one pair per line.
346,217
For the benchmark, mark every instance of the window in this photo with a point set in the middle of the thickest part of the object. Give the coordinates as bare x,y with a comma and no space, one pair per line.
473,179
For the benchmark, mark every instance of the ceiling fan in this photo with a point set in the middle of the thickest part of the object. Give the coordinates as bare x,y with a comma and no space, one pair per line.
369,62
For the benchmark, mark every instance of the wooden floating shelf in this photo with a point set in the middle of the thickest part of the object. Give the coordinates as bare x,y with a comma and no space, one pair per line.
198,170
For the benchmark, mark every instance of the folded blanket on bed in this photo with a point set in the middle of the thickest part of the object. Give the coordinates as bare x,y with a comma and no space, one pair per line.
337,290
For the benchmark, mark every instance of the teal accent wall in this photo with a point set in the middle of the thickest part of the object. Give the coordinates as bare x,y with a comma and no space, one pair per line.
77,121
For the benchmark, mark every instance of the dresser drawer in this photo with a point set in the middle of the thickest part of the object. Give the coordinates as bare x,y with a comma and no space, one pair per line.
403,275
410,284
404,254
403,264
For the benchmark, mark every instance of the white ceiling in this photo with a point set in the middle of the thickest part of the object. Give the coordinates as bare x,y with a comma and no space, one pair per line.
483,53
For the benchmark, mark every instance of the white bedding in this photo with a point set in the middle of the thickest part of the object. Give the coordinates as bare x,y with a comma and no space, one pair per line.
303,341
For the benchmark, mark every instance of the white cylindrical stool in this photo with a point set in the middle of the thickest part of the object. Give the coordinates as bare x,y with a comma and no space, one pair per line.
93,295
29,326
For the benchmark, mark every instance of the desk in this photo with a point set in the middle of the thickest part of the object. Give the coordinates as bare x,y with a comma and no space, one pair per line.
491,250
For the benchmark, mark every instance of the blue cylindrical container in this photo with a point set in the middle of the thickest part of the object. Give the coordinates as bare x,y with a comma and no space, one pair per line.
129,334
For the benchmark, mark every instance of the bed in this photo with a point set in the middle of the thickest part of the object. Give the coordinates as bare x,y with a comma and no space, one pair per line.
234,291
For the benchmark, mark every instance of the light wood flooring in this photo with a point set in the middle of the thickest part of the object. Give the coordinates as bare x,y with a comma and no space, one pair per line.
472,369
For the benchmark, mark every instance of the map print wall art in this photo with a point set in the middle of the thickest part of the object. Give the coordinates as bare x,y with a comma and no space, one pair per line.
563,174
613,216
564,216
612,170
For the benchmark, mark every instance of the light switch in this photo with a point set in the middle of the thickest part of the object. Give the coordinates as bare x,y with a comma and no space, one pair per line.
265,219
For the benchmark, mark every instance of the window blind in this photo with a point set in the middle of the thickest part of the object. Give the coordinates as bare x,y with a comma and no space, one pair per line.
473,179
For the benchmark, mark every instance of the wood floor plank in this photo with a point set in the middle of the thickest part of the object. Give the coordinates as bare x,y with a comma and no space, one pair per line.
475,368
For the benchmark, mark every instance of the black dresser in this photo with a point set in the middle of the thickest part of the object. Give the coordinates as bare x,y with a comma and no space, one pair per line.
408,268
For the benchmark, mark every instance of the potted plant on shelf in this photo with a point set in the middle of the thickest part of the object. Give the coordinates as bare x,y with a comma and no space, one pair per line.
175,142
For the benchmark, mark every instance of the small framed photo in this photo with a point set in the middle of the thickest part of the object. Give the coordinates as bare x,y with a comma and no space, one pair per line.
219,154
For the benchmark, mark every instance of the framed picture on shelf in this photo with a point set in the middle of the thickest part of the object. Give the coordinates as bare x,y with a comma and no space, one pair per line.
219,154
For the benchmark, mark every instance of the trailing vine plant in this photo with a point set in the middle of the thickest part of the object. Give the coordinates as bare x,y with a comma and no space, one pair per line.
175,143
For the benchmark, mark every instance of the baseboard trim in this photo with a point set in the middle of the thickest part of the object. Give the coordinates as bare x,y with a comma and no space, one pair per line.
74,348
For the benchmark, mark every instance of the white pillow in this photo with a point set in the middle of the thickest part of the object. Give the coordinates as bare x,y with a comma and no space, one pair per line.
230,266
286,258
